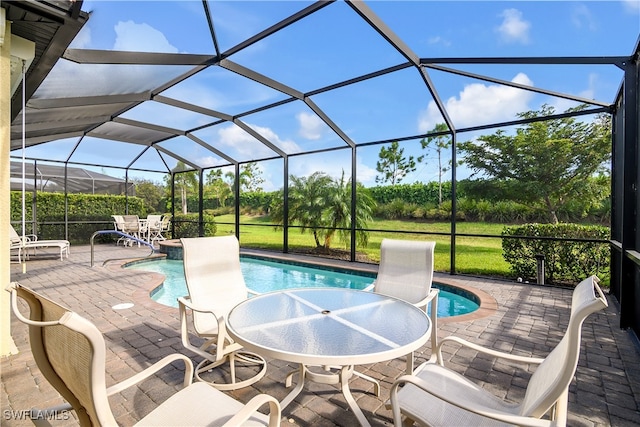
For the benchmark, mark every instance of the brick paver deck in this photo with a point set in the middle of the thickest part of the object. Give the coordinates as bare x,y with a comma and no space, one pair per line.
521,318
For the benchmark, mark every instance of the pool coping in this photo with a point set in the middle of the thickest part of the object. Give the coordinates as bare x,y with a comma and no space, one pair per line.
487,303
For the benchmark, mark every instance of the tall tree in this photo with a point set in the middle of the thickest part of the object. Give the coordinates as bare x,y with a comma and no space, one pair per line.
393,165
251,177
151,192
186,180
217,187
547,162
439,143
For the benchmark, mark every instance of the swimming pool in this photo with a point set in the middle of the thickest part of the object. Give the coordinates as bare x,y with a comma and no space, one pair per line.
264,276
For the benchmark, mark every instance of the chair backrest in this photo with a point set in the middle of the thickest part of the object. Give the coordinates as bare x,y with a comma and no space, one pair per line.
166,221
406,269
118,221
14,237
553,376
213,275
70,352
131,222
154,222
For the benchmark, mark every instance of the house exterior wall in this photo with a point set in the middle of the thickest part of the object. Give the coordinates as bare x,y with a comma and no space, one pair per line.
7,345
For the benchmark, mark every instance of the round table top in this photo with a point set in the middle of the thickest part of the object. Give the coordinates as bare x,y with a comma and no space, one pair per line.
328,326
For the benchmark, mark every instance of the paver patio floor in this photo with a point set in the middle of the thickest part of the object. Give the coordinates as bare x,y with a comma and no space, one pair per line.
526,319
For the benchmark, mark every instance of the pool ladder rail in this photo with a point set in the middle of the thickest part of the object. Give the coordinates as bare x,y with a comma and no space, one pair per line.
122,234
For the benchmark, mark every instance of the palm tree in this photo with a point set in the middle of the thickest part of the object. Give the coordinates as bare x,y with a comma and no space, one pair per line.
323,205
338,212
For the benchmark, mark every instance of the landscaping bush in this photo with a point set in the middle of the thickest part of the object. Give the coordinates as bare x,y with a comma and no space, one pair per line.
94,210
186,225
565,261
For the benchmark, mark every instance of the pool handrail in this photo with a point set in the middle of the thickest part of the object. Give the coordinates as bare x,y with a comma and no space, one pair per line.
120,233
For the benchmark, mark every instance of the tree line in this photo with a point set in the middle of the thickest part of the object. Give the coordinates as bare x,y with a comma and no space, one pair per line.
549,169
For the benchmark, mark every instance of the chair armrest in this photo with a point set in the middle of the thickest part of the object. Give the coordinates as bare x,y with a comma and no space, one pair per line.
433,293
457,400
489,351
186,302
371,287
252,292
252,407
147,372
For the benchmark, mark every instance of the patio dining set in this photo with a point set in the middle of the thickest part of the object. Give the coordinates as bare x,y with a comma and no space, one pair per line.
135,230
327,332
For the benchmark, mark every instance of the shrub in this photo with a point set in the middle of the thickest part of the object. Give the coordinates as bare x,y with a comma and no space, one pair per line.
86,213
186,225
565,261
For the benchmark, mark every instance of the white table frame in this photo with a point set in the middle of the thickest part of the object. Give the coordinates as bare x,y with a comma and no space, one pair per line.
340,367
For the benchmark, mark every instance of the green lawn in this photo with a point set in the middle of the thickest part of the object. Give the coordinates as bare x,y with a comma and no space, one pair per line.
474,255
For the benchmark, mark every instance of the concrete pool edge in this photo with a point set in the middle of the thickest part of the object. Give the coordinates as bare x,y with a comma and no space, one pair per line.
487,304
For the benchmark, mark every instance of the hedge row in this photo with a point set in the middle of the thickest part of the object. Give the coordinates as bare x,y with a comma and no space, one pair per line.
186,225
93,209
564,261
485,211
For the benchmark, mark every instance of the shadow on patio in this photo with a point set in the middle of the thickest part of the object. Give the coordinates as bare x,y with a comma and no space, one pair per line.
528,319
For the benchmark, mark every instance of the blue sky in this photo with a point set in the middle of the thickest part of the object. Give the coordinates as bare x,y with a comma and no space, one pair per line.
331,46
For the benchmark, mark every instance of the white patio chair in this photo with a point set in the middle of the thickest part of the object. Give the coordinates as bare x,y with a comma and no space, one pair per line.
436,395
71,354
119,225
215,285
154,228
30,241
133,227
166,225
406,272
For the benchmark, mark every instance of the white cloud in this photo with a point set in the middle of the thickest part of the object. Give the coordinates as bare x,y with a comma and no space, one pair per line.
83,38
437,40
589,92
513,28
581,17
246,145
311,126
480,103
210,161
632,5
366,175
141,38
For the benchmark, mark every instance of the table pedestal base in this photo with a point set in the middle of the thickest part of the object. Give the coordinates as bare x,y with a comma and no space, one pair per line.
332,375
238,358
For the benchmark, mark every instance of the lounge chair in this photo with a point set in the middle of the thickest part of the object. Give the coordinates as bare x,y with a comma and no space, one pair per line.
406,272
215,284
31,241
70,352
437,395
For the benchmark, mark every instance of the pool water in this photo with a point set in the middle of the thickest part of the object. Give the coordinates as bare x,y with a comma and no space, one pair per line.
264,276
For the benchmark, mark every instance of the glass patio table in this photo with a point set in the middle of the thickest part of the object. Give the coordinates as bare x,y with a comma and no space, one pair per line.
331,328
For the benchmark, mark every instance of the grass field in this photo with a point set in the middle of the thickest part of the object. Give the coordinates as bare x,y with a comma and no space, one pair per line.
474,255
